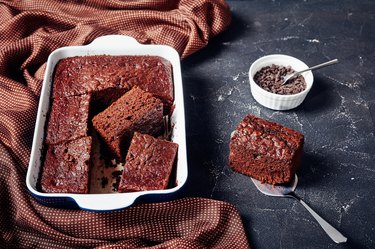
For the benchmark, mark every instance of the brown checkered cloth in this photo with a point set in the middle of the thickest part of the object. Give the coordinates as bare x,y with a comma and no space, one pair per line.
29,32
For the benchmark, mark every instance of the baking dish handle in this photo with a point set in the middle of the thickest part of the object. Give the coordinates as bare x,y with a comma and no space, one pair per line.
105,202
113,41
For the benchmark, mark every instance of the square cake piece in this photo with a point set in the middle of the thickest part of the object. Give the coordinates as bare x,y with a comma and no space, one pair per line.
68,119
157,78
86,74
265,150
148,164
66,167
136,110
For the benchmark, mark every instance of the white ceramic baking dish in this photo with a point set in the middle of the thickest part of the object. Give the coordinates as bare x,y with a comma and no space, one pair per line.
109,45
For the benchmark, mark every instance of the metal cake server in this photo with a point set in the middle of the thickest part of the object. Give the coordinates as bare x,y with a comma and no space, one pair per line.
287,190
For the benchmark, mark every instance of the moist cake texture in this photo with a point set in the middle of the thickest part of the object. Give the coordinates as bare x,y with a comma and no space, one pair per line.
86,74
136,110
68,119
265,150
115,96
148,165
66,167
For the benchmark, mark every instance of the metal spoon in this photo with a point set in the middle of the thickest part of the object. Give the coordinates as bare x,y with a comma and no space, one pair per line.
289,76
287,190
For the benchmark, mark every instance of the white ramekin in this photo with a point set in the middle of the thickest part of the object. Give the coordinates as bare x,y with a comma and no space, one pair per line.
279,101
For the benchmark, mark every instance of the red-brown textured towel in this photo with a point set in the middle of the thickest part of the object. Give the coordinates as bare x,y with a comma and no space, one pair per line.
29,32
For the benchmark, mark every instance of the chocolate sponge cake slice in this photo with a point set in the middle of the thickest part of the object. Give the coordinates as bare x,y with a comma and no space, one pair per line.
68,119
66,167
265,150
136,110
148,164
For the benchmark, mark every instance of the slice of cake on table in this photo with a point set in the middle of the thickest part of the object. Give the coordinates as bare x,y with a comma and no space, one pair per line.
148,164
264,150
136,110
66,167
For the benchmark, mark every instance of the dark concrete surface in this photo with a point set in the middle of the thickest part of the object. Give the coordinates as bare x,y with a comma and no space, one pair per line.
337,173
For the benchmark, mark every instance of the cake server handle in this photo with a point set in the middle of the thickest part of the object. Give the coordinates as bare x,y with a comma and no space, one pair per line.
332,232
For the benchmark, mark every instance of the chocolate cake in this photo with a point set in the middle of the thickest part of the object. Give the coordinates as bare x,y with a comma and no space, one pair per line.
265,150
68,119
136,110
66,167
85,74
149,163
119,94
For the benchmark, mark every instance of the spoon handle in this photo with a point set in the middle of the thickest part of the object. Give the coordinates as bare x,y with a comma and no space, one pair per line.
320,65
288,77
332,232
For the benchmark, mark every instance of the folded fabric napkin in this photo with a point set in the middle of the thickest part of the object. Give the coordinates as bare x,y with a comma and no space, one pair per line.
30,31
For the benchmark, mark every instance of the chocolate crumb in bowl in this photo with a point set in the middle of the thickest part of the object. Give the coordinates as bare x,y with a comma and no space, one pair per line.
270,78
